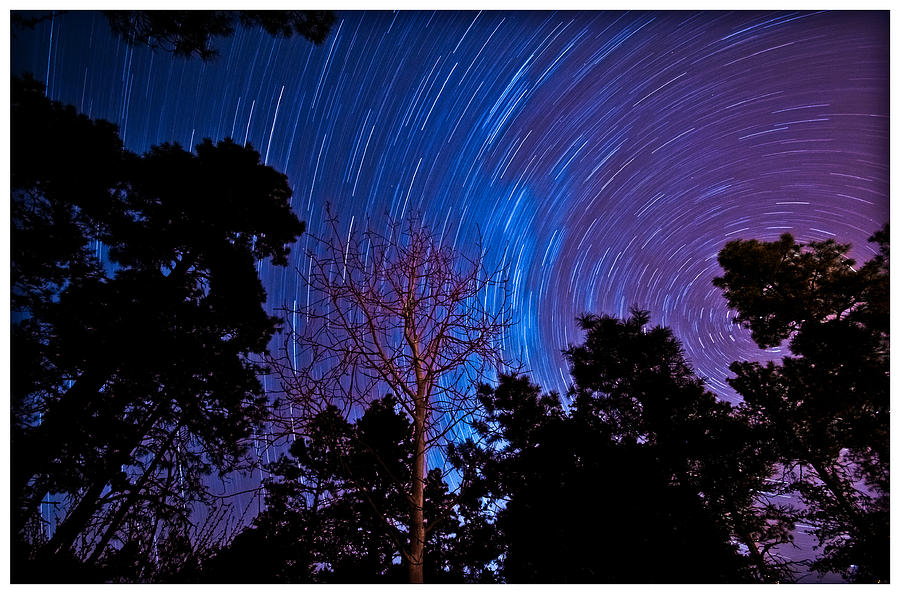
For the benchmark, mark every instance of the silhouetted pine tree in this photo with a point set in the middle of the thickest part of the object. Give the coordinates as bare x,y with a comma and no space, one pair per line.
134,376
826,405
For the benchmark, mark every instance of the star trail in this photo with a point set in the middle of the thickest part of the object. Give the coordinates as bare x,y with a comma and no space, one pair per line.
605,158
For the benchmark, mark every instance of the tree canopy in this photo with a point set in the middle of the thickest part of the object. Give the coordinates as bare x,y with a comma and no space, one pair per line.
827,403
648,462
646,459
635,384
191,33
138,321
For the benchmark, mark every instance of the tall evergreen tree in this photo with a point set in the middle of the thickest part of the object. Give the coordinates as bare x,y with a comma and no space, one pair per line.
134,373
581,505
634,382
827,404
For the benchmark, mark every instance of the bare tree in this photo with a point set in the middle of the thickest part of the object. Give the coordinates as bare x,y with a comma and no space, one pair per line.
396,311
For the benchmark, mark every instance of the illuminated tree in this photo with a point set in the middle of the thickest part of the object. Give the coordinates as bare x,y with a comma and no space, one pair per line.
397,311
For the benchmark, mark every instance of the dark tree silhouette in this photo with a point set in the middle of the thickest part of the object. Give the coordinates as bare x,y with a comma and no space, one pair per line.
189,33
826,405
584,506
634,382
337,509
20,19
133,375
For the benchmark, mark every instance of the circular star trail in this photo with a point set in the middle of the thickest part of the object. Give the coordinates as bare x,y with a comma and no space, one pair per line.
605,158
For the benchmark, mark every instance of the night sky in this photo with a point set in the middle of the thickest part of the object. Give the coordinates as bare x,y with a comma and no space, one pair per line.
605,157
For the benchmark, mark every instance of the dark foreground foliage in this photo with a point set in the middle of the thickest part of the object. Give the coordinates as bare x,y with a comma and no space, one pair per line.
133,376
647,478
826,405
337,511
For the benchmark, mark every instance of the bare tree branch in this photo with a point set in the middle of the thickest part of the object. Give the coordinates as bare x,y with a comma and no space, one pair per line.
395,311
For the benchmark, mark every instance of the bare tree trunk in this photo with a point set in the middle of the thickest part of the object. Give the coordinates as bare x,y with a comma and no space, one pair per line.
131,500
389,306
758,559
33,455
840,495
75,521
417,501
